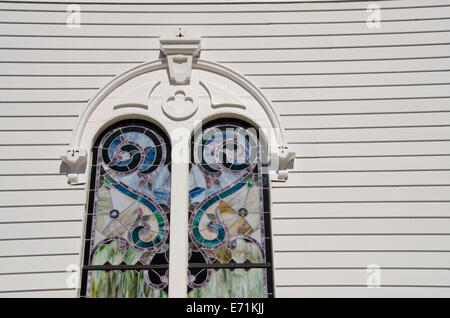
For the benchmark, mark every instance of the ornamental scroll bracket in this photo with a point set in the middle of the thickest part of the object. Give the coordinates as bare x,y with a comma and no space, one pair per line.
180,49
75,160
284,160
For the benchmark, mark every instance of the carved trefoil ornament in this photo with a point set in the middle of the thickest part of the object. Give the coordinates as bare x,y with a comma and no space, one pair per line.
180,103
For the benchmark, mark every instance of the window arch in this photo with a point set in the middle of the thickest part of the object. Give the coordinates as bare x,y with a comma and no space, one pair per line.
210,90
127,234
229,213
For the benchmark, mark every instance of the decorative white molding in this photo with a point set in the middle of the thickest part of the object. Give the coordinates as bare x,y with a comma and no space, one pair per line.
285,161
76,161
178,93
180,49
138,96
180,103
219,97
129,94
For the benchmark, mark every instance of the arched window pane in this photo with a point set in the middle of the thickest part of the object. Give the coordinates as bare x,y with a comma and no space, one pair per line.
229,221
127,247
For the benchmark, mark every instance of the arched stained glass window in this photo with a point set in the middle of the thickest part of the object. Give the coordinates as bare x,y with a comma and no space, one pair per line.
127,237
229,220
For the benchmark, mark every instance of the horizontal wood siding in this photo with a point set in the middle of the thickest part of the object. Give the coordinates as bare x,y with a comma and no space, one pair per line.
367,111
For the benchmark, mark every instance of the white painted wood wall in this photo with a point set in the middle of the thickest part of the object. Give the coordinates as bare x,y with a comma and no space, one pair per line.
366,110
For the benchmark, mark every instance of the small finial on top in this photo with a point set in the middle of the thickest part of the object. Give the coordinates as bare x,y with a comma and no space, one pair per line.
180,32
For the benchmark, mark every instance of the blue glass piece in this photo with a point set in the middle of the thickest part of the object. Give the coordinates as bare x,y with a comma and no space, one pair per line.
113,147
196,191
161,196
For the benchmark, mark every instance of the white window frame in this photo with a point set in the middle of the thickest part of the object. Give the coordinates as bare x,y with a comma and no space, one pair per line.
148,92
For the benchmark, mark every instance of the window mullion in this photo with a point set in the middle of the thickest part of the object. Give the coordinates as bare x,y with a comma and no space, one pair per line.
178,261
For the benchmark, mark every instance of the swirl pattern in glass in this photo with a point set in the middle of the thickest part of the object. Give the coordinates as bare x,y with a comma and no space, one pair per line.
129,213
229,253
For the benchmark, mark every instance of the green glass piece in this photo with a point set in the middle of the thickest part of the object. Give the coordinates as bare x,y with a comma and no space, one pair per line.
115,256
197,234
114,284
239,283
104,204
132,256
99,284
130,284
101,255
211,216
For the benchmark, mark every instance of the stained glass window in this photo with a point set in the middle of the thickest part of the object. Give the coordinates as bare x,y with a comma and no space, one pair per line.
127,237
229,221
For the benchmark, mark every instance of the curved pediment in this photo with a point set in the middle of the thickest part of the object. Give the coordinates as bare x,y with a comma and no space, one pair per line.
158,91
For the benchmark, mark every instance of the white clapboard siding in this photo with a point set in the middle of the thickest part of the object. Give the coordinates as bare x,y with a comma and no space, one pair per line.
361,291
365,109
38,137
369,135
323,179
224,17
120,56
70,55
46,293
326,55
357,92
8,183
30,230
81,43
227,43
40,247
42,214
348,194
364,226
39,281
103,69
349,259
419,148
341,67
350,80
366,242
37,264
31,167
348,210
39,95
318,42
31,152
37,123
214,31
21,82
46,197
384,120
359,277
373,106
427,163
218,5
49,108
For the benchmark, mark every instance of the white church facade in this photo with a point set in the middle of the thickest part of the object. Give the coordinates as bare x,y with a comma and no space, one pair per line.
224,149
